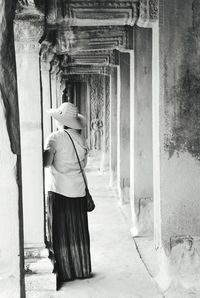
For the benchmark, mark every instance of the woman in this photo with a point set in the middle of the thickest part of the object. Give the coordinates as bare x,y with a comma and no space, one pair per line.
69,242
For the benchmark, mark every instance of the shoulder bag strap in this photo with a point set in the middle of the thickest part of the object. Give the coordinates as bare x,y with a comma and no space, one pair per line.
78,159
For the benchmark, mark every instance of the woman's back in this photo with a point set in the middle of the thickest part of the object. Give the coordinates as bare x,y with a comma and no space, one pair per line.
65,174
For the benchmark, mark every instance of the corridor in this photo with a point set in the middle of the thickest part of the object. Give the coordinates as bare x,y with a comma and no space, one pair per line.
118,270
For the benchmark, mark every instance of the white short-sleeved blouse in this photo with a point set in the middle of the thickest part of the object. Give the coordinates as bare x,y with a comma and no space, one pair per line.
64,175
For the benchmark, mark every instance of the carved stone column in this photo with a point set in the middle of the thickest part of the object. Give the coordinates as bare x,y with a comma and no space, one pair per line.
106,116
37,265
11,223
54,85
123,129
45,66
113,125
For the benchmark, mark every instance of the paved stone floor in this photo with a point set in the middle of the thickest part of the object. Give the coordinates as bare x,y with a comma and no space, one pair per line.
118,270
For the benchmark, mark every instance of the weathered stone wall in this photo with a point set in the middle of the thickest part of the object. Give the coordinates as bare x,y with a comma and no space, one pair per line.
179,115
11,230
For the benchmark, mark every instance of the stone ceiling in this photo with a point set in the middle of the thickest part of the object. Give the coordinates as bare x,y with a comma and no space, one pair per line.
87,31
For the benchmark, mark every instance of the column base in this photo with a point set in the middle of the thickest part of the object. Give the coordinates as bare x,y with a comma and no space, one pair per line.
181,268
104,166
145,216
38,270
124,195
113,179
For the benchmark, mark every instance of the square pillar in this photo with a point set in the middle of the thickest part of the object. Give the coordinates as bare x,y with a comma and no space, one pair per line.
106,116
141,130
47,127
113,126
123,129
177,114
37,265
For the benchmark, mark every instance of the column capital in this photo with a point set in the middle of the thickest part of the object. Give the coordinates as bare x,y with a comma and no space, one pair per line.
27,35
148,13
28,28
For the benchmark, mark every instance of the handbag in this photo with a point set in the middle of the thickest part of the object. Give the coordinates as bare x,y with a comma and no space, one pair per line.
90,202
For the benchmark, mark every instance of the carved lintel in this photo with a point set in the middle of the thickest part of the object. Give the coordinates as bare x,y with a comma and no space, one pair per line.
87,69
148,13
75,77
98,57
93,13
74,40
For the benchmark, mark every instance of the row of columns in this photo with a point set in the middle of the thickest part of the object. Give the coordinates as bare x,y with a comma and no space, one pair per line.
156,163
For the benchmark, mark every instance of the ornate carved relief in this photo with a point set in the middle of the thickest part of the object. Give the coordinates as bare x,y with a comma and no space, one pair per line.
96,83
28,27
95,13
148,13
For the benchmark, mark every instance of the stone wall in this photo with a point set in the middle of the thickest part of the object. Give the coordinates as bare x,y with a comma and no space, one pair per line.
179,115
11,228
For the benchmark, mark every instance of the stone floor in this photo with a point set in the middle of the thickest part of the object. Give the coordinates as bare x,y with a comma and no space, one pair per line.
123,267
117,267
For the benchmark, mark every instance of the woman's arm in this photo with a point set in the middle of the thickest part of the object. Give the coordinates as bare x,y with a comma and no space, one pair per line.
48,158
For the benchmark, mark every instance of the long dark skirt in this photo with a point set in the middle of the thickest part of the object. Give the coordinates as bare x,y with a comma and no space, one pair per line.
69,242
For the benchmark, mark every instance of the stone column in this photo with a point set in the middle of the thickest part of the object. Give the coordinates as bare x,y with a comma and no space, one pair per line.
11,217
27,35
105,146
123,129
141,123
177,140
46,99
54,81
88,113
113,126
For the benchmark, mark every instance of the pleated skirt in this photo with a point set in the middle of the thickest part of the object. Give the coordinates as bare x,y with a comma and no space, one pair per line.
68,236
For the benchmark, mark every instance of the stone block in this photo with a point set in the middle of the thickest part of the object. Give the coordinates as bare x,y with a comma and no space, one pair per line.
40,282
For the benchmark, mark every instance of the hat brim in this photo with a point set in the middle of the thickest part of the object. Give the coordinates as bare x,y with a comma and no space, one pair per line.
77,123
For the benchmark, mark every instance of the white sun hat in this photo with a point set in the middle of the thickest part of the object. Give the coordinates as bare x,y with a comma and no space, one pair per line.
67,114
